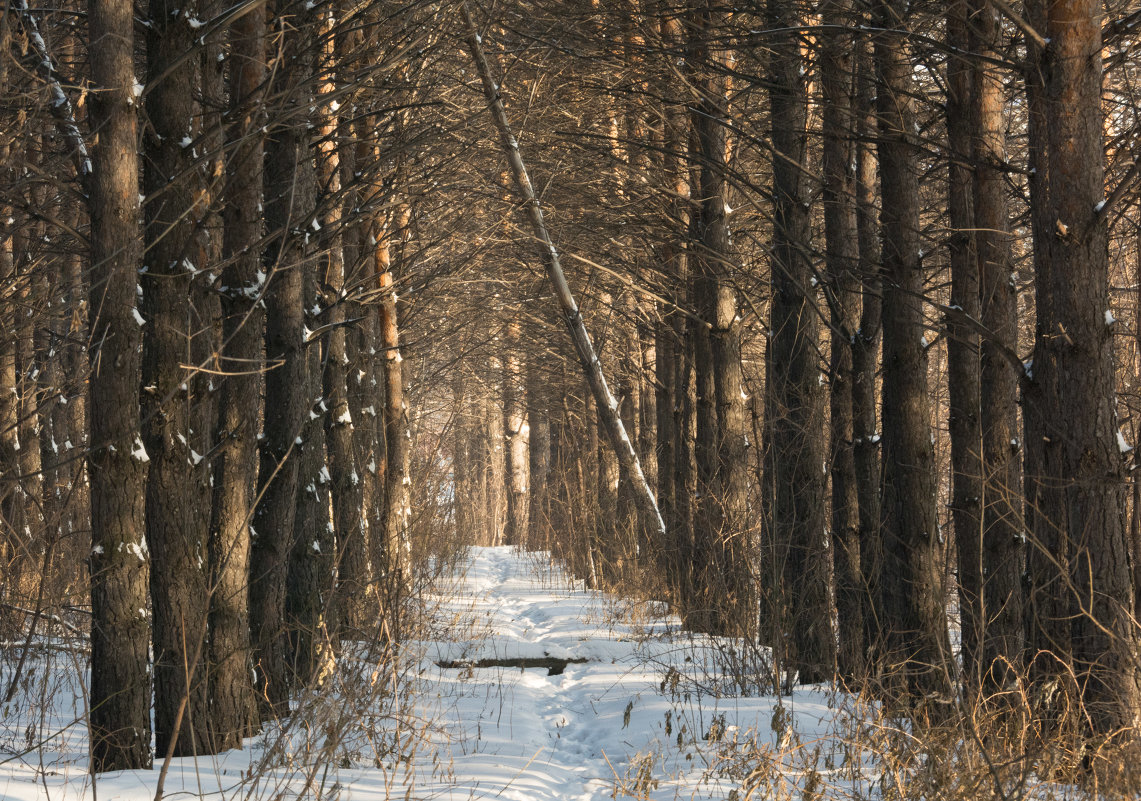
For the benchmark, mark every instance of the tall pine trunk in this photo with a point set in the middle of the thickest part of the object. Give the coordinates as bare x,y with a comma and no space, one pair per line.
289,204
1002,519
11,493
1080,607
963,350
865,357
794,402
397,437
243,321
722,592
346,475
911,586
178,421
837,79
120,632
309,577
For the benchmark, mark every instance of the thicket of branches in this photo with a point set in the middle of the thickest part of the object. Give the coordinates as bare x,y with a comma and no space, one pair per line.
863,277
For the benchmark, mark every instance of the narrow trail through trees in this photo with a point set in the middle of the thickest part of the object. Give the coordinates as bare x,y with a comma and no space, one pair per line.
640,709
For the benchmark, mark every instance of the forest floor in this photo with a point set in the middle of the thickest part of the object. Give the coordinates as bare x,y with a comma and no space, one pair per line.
523,686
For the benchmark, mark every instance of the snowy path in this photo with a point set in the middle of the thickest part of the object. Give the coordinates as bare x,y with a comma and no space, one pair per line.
539,735
603,724
651,713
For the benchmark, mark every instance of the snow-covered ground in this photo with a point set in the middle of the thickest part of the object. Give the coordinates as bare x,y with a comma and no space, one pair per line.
640,710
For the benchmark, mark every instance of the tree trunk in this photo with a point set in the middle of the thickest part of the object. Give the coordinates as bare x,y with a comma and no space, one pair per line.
1135,517
397,509
606,547
289,203
963,352
539,415
912,581
674,360
794,402
120,633
724,602
73,365
1081,594
648,436
489,450
837,79
178,419
464,490
347,485
28,380
685,446
865,359
233,710
630,410
11,491
364,393
309,582
515,440
344,472
1003,525
592,468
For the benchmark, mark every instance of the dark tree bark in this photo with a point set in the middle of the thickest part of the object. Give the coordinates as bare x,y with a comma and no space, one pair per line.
233,709
912,581
606,548
665,370
309,581
865,358
346,483
289,203
73,365
11,493
794,401
328,499
842,254
648,422
1135,516
120,633
591,470
674,360
563,457
488,451
963,350
177,407
1080,604
365,398
723,601
630,410
29,309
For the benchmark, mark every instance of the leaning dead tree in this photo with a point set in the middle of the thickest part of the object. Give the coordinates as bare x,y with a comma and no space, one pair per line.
607,405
